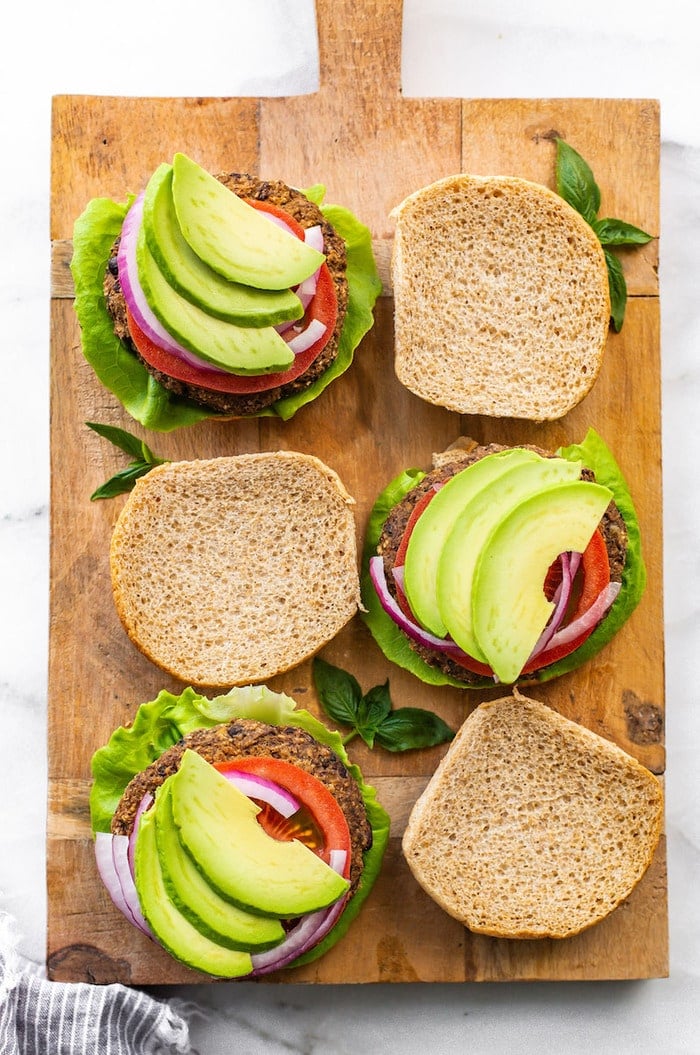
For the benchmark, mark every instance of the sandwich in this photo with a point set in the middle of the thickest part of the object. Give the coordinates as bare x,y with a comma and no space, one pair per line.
229,570
502,565
220,296
501,298
532,826
234,831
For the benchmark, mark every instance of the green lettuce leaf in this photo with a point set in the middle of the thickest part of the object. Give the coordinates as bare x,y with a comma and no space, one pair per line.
124,375
164,721
594,454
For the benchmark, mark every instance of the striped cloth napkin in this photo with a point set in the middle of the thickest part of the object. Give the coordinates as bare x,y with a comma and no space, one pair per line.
39,1017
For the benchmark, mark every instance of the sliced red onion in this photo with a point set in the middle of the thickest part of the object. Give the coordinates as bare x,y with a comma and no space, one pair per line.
307,933
313,332
144,804
107,868
590,618
111,854
313,236
561,598
411,629
264,790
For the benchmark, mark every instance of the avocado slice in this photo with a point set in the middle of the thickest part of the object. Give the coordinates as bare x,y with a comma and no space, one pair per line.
434,525
224,923
483,510
233,237
170,927
217,825
196,281
510,609
238,349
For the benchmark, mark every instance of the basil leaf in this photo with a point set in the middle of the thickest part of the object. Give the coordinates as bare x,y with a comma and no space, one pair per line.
121,482
617,232
575,182
408,728
338,691
372,712
120,438
618,290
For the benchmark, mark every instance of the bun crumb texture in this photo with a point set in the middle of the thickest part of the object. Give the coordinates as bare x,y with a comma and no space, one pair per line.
532,826
230,570
501,298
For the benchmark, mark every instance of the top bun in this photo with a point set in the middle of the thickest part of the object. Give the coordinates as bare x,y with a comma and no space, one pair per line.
231,570
501,298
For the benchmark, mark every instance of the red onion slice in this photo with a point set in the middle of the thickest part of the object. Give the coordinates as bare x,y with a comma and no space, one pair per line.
313,332
111,854
590,618
561,599
107,868
307,933
412,630
263,790
144,804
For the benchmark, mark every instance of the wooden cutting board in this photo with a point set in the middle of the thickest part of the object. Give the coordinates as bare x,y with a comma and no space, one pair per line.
370,147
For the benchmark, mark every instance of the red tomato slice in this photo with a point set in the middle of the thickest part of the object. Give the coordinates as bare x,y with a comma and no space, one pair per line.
319,823
323,307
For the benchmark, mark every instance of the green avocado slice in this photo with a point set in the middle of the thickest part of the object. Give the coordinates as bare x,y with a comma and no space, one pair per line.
435,524
193,279
238,349
509,608
189,891
171,928
217,825
457,563
233,237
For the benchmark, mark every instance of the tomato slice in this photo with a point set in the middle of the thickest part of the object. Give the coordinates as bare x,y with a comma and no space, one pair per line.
323,307
319,823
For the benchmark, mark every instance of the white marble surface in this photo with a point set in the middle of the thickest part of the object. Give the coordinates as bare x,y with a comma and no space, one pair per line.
506,48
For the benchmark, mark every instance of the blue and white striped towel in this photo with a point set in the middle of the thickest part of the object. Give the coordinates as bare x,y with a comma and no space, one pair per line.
40,1017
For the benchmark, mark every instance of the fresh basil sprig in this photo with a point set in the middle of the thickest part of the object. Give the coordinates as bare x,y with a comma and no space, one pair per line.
577,186
371,715
143,460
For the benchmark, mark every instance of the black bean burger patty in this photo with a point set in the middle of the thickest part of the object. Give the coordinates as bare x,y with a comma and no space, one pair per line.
307,214
612,527
244,738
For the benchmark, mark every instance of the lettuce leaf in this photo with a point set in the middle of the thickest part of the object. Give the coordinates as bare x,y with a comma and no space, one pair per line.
595,455
164,721
124,375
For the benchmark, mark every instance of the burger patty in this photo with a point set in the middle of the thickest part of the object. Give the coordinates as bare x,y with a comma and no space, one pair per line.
612,529
307,214
243,738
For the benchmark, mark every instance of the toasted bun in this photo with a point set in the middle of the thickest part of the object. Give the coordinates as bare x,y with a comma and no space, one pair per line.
228,571
532,826
501,298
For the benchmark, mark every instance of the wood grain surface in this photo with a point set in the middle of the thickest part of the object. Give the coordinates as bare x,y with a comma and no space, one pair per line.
370,146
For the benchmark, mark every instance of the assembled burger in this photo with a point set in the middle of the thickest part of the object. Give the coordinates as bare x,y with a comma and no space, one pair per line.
226,296
502,565
234,831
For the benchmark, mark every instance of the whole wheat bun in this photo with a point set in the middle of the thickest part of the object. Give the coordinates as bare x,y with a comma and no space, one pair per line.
501,298
532,826
230,570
